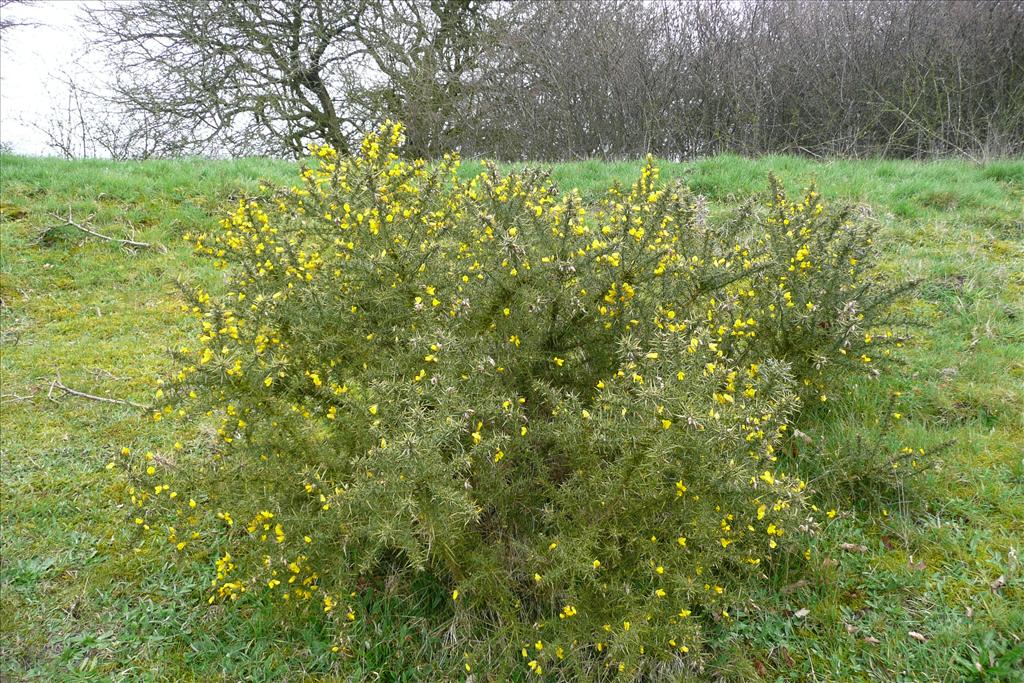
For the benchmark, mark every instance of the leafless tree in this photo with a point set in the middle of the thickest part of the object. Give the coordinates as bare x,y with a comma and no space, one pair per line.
897,78
85,125
270,76
9,20
545,79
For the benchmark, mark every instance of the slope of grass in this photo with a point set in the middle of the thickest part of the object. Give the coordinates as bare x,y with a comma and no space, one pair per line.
77,601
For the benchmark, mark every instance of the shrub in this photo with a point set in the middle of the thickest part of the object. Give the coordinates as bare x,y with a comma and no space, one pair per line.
567,415
819,305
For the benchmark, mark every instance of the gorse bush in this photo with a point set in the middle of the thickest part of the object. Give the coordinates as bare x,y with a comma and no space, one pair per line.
818,305
568,415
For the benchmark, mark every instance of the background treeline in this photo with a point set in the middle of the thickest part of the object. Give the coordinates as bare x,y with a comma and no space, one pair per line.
904,78
567,79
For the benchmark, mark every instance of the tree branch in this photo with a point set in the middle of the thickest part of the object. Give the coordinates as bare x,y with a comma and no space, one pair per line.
69,221
57,384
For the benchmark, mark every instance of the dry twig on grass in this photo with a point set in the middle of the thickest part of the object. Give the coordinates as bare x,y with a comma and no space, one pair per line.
9,398
57,384
71,222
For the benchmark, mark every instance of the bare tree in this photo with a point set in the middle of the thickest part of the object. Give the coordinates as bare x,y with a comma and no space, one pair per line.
546,79
615,78
9,21
85,125
67,129
270,76
425,56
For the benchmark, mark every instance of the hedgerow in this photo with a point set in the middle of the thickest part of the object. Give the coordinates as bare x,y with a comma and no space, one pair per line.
567,414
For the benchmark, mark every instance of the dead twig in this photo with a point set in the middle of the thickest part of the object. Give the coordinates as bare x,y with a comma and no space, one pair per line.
56,384
9,398
70,221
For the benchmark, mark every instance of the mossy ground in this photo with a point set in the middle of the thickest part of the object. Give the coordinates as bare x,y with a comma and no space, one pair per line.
77,602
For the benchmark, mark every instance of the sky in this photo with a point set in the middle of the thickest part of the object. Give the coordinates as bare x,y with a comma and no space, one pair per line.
31,60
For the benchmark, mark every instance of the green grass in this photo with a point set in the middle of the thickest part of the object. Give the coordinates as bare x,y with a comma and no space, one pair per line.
78,602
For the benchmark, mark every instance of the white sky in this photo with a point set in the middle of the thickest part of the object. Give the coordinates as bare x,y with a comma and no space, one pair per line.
31,59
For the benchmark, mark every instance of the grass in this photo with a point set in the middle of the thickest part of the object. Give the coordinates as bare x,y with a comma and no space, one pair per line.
77,602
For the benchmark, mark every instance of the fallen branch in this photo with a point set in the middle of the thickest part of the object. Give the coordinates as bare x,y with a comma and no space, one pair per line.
70,221
57,384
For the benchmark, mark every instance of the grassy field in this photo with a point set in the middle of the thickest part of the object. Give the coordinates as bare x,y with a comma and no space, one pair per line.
942,557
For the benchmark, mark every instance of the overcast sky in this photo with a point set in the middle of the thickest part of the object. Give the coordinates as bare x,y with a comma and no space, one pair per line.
31,57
